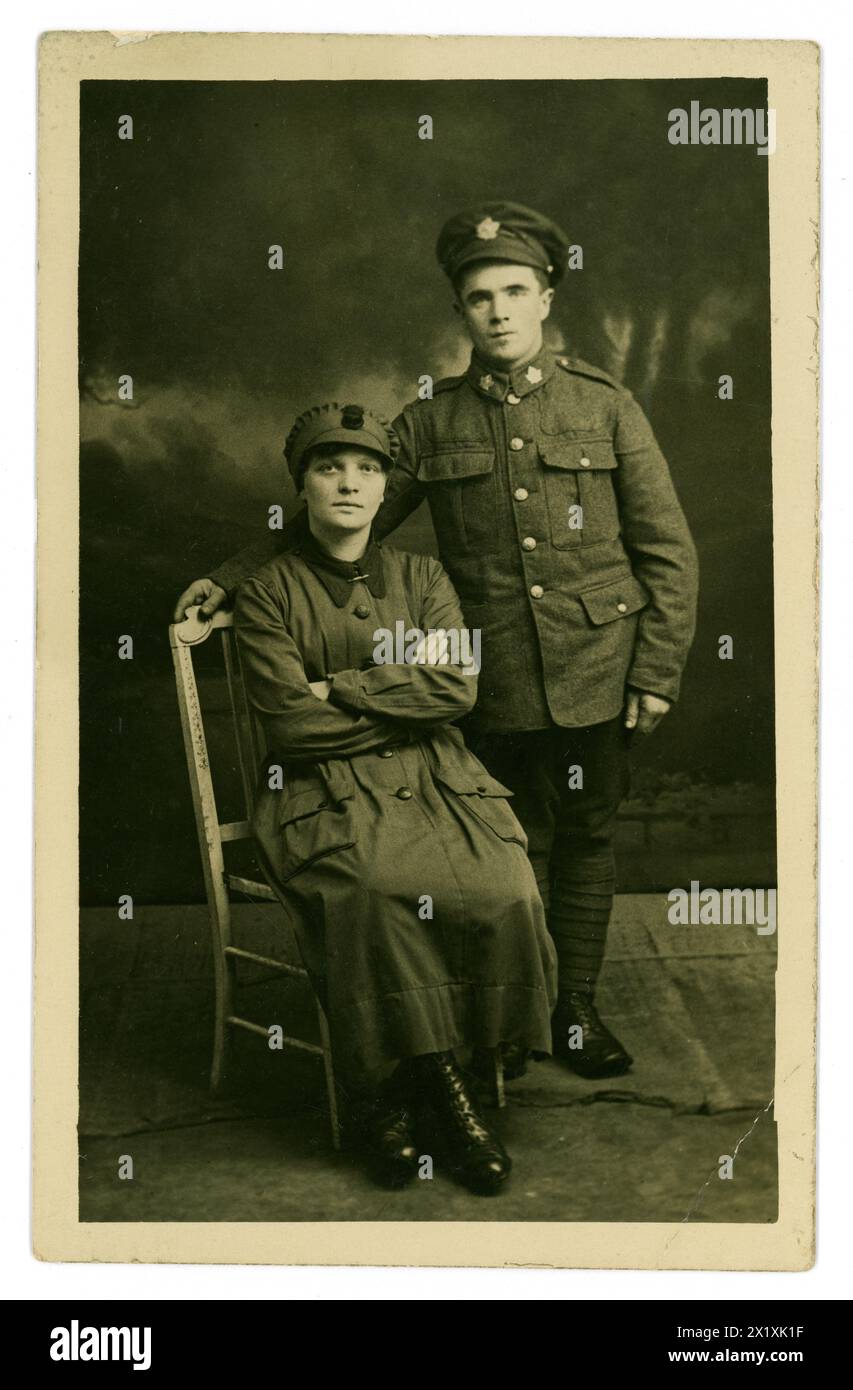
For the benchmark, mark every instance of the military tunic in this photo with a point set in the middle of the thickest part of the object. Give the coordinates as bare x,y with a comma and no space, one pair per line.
394,849
558,523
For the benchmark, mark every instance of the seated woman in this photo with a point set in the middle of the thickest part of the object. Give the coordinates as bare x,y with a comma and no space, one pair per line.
396,852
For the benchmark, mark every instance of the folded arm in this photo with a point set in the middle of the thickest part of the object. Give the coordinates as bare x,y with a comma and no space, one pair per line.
297,723
435,689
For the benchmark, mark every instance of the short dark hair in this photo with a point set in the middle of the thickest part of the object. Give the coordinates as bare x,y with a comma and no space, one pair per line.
542,278
327,449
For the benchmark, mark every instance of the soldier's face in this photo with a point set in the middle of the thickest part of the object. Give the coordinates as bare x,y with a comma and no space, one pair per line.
343,490
503,307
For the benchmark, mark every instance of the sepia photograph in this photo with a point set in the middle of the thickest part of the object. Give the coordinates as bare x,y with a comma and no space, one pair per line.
428,646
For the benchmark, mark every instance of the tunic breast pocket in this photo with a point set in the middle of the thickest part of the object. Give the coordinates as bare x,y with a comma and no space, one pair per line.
579,487
460,484
310,827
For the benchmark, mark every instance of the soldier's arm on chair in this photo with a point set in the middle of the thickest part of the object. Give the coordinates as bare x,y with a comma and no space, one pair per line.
662,553
428,691
296,723
217,589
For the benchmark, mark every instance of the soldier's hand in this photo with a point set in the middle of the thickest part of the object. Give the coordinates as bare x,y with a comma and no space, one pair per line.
643,711
211,596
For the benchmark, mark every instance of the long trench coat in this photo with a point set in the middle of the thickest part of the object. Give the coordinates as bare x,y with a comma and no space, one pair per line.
398,854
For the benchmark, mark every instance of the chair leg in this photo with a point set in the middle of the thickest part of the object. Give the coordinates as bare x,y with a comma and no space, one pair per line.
220,1053
500,1097
224,1008
328,1068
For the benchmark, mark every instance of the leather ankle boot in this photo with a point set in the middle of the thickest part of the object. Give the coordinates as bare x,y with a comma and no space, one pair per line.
476,1155
600,1053
384,1131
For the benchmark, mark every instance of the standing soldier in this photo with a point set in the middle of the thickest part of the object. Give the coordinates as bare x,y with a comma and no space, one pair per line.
559,525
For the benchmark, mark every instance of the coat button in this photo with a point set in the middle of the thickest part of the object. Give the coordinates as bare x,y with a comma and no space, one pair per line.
584,463
513,399
528,543
516,443
621,608
387,753
405,794
521,494
361,610
536,591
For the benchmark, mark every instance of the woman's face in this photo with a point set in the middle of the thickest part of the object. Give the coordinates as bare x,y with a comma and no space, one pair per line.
343,490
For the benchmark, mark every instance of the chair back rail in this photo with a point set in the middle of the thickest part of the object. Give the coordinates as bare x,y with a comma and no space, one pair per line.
201,780
182,638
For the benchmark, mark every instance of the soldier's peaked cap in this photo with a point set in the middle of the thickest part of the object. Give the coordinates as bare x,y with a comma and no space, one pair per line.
340,424
502,232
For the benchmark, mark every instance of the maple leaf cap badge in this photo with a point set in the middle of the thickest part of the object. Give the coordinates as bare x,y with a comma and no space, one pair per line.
488,229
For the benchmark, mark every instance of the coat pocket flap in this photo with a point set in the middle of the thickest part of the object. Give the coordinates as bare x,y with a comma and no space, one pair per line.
295,805
618,599
305,793
474,782
486,799
583,455
455,463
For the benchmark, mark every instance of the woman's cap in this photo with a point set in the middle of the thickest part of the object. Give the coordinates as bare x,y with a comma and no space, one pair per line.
354,425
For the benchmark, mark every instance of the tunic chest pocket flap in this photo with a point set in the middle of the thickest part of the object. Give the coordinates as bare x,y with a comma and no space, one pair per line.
460,484
486,798
581,455
579,476
458,462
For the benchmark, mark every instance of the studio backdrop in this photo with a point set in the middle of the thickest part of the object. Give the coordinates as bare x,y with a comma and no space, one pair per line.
670,294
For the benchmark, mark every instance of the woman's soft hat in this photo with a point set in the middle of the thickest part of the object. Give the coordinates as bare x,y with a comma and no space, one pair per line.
340,424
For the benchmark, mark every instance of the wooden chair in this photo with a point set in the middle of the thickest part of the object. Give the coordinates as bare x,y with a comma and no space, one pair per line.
212,834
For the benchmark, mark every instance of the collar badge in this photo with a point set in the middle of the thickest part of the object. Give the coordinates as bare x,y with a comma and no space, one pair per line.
534,375
487,382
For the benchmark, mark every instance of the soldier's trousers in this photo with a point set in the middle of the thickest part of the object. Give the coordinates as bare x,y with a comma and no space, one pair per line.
570,821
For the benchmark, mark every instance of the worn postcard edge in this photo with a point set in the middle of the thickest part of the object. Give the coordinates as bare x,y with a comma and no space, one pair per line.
792,71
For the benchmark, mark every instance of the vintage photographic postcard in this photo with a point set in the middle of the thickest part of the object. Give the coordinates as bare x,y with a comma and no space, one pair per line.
427,611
